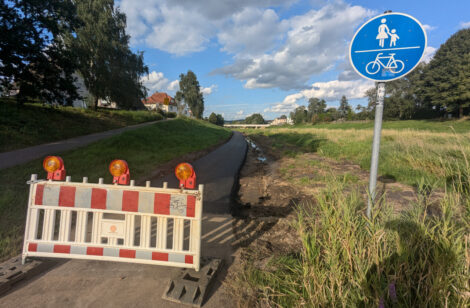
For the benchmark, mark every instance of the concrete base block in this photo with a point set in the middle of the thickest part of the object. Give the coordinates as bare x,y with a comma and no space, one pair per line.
190,287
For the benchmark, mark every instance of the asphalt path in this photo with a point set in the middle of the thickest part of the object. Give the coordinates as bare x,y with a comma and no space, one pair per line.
218,171
82,283
21,156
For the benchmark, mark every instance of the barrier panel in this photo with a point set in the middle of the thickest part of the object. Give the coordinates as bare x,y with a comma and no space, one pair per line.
135,224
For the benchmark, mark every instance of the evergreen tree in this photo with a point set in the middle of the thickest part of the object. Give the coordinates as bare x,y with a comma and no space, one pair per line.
446,80
34,55
109,68
344,108
190,92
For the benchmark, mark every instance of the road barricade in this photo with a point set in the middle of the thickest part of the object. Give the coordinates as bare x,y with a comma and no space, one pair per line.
135,224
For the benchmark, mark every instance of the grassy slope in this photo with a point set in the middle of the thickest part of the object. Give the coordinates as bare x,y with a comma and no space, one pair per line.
408,153
33,124
144,149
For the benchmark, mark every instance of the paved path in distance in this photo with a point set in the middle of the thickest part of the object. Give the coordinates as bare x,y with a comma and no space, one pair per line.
21,156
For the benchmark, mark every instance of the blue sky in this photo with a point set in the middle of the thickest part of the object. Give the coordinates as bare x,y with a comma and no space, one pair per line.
268,56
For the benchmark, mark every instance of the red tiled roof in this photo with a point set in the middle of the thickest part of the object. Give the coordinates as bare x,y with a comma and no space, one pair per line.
157,98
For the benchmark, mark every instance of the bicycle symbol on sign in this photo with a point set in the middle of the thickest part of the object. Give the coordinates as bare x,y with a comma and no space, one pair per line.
394,66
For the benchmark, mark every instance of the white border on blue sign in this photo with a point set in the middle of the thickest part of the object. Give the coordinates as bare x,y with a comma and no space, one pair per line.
374,18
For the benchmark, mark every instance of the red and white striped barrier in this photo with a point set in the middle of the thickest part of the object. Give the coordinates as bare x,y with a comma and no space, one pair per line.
114,223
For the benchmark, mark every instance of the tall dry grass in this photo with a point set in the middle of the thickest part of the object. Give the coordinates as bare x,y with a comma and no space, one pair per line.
409,260
419,257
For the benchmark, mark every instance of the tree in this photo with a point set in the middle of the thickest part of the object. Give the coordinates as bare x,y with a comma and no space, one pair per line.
220,120
190,92
344,108
283,117
332,113
34,55
109,68
299,115
255,118
447,78
404,97
216,119
213,118
180,104
315,108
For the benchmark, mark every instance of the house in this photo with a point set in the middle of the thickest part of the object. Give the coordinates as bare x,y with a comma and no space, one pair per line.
163,101
160,100
281,121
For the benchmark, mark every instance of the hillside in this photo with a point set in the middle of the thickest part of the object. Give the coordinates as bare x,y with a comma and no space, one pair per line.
33,124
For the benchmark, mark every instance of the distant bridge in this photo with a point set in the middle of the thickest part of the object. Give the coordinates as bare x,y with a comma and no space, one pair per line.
247,125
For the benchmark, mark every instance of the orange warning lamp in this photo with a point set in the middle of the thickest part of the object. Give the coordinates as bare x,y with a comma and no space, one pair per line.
55,168
120,172
185,173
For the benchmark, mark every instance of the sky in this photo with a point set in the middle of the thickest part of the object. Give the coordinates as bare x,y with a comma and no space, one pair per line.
269,56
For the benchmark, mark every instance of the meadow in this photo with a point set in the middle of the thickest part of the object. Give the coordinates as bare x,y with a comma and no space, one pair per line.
144,149
416,257
410,153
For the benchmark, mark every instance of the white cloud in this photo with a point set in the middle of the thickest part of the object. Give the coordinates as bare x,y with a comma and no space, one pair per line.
288,104
165,26
208,90
252,31
329,91
268,51
174,85
156,81
429,53
429,27
239,113
465,24
180,26
333,90
314,43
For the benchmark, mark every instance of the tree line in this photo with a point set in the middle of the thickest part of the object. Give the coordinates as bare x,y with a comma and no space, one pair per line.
45,44
436,89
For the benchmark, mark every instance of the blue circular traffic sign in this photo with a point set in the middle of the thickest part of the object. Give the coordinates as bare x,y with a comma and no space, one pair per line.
387,47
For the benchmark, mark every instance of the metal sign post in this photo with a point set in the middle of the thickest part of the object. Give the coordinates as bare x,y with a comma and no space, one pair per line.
374,162
385,48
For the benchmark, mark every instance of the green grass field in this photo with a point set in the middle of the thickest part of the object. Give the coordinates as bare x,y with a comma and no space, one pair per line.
409,153
459,126
144,150
33,124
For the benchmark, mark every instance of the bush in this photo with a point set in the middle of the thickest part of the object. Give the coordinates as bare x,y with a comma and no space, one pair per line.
171,115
